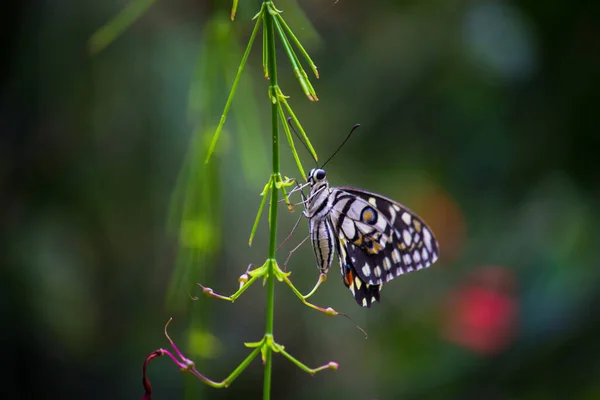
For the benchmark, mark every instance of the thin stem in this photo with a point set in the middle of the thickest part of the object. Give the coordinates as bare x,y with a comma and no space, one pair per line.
331,365
328,311
227,381
210,293
272,70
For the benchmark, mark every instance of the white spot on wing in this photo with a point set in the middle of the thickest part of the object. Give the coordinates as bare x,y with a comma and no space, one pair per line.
406,237
348,228
396,207
416,257
407,259
364,302
396,256
392,215
373,201
427,238
405,217
425,254
377,271
366,269
387,264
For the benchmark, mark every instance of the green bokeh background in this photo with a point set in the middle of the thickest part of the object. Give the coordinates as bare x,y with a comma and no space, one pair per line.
482,116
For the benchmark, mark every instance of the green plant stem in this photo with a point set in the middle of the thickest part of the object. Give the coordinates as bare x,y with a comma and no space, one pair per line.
272,69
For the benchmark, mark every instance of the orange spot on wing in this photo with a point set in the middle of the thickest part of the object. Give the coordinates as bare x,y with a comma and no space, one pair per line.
359,241
349,278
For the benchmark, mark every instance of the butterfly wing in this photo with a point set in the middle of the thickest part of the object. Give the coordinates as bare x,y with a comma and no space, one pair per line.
378,239
364,293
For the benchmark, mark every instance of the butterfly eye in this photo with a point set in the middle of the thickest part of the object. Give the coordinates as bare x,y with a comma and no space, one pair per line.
320,174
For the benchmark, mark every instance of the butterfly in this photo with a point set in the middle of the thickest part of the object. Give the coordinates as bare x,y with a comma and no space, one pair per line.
376,239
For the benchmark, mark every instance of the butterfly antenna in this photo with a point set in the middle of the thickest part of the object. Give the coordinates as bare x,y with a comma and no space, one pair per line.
341,145
289,121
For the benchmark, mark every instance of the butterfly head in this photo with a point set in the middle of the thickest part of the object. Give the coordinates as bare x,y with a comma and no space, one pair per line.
317,181
316,176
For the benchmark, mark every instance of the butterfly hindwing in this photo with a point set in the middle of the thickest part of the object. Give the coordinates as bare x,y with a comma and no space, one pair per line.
364,293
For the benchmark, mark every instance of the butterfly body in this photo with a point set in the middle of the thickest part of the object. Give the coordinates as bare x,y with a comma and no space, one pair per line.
376,239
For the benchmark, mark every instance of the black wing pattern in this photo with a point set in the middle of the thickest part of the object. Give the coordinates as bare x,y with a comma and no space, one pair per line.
378,239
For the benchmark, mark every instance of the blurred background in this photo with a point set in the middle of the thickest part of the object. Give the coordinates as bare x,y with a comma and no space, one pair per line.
482,116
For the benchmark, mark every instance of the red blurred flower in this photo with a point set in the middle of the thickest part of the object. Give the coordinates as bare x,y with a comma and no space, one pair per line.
482,313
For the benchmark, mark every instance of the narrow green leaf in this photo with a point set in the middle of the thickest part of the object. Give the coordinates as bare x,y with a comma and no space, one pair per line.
298,70
286,127
116,26
300,129
286,198
215,138
310,86
260,210
234,9
265,53
298,44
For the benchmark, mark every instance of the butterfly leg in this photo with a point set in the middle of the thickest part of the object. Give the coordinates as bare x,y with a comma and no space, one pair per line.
292,252
296,188
290,235
304,198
